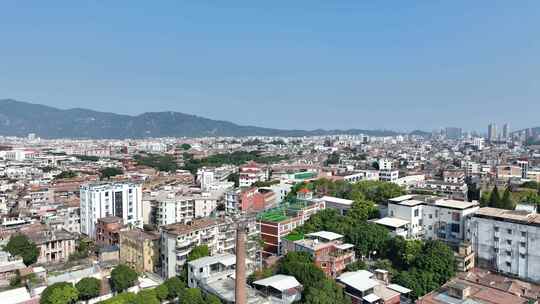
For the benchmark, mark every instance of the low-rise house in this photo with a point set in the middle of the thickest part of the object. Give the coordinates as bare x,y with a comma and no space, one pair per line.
54,246
108,230
366,287
483,286
280,288
214,275
327,249
9,266
340,204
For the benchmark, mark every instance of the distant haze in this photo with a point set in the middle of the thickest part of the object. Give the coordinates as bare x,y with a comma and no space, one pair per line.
399,65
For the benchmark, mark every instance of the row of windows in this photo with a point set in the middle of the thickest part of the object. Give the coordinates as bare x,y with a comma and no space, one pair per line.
509,231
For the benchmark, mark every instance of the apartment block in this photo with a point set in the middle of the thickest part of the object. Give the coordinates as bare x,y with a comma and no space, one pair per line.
98,200
507,241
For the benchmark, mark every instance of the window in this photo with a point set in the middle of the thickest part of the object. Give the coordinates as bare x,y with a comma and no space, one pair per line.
436,213
454,228
496,250
523,244
509,231
509,242
496,229
431,216
509,264
523,233
522,255
416,212
495,239
509,253
456,216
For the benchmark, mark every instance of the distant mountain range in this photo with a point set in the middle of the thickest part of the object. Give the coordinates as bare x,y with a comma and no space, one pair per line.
19,118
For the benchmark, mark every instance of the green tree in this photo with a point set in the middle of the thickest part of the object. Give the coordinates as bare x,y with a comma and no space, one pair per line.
175,287
162,292
88,288
357,265
212,299
495,198
123,277
59,293
147,296
110,172
436,258
123,298
65,174
185,146
192,296
368,238
20,245
198,252
326,292
506,202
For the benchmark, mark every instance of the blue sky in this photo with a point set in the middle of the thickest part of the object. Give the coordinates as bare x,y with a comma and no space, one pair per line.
399,65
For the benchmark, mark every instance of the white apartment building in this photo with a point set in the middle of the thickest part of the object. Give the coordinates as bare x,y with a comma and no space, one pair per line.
472,168
428,217
361,175
172,208
385,164
251,173
177,241
387,175
340,204
98,200
507,240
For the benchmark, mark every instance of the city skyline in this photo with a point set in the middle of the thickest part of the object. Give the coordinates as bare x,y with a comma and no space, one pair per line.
292,66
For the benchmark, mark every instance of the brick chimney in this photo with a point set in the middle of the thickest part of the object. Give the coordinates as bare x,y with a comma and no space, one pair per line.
240,283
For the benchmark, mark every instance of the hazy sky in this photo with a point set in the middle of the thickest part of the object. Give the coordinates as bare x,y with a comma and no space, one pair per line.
287,64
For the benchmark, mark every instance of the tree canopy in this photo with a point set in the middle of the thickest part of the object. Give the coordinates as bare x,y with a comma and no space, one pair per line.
20,245
59,293
110,172
88,288
123,277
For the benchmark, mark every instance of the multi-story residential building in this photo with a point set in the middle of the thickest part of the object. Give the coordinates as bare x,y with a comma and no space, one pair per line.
524,165
108,231
444,219
9,267
54,246
416,216
454,176
67,218
177,241
457,191
492,132
328,250
98,200
388,175
506,172
172,208
140,250
471,168
251,173
507,241
276,223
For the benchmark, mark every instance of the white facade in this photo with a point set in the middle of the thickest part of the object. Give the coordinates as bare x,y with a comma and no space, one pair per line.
432,218
123,200
182,209
177,241
388,175
506,240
